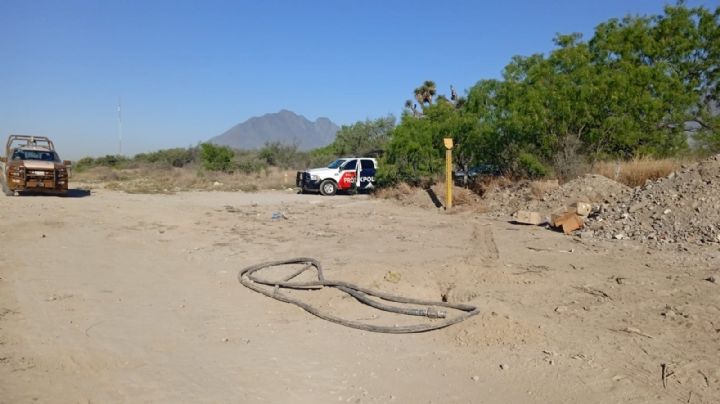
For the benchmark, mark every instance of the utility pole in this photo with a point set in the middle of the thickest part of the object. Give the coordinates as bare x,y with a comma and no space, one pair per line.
119,111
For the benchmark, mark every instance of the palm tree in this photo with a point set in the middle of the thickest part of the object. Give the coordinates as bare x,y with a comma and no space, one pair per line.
425,93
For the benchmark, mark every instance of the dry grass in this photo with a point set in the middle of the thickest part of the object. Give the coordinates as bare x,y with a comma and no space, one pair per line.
539,189
636,172
398,192
151,180
461,196
488,184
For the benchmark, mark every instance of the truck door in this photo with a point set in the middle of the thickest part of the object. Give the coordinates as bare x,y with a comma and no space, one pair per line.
366,175
348,175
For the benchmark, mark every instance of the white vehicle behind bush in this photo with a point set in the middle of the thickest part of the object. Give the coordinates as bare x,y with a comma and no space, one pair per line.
343,174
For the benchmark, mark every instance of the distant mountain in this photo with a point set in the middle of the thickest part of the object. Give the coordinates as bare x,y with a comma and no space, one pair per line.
285,126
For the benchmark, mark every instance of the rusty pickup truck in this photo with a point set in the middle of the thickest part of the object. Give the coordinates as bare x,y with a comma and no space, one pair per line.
31,164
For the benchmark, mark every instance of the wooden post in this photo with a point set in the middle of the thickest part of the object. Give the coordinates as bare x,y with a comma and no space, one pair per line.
448,142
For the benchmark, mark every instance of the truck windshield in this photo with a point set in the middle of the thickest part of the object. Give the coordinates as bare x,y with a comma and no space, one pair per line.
35,155
337,163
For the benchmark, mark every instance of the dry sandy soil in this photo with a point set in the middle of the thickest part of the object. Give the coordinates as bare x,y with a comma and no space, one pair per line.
115,297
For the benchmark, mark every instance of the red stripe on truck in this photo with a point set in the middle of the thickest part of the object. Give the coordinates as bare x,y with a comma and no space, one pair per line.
347,179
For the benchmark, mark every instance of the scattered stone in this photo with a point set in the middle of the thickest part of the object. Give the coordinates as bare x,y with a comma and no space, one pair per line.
561,309
226,339
528,217
712,278
504,366
476,378
582,208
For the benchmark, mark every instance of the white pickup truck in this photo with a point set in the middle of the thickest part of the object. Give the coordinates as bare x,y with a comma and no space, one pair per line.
343,174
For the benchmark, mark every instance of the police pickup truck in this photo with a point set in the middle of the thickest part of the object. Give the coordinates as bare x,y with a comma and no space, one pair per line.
343,174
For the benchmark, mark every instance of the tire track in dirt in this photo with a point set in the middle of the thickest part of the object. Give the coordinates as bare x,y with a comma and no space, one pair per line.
482,237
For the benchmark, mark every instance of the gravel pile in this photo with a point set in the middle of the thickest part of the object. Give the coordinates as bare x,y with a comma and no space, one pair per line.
546,197
591,188
682,208
506,199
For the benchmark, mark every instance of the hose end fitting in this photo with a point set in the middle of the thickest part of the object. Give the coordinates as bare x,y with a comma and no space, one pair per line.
432,312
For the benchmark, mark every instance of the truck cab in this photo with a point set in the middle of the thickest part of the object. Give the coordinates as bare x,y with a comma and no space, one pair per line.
343,174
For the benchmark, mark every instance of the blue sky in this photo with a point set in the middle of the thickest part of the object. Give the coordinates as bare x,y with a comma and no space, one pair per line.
189,70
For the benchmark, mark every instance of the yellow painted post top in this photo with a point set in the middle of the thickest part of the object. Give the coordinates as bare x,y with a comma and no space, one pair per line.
448,142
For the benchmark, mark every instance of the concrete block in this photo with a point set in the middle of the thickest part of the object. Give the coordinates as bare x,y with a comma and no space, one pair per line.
529,217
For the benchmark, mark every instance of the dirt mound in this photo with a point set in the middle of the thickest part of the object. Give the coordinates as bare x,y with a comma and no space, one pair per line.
505,198
683,207
547,196
590,188
430,198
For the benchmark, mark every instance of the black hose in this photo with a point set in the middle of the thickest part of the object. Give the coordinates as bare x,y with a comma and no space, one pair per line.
247,277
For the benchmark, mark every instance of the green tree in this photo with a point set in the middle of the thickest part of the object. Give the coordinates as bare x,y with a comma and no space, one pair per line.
280,155
637,87
416,152
363,137
216,158
412,154
631,90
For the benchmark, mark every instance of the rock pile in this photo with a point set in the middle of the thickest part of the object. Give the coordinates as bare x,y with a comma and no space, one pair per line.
544,197
508,198
591,188
681,208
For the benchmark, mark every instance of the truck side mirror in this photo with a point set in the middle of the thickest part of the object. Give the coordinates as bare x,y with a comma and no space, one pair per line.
67,162
3,159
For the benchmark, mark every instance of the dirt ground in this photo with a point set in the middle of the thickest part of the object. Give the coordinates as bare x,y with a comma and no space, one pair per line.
115,297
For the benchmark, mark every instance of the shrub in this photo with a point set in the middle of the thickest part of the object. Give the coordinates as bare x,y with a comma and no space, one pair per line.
531,167
83,164
216,158
249,163
177,157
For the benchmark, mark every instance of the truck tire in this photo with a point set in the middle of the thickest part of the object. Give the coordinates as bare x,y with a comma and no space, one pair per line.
328,187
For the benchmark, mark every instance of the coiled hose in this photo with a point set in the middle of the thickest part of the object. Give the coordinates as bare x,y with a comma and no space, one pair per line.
248,277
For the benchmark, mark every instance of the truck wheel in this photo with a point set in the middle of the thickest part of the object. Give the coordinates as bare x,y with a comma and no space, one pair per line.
328,188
